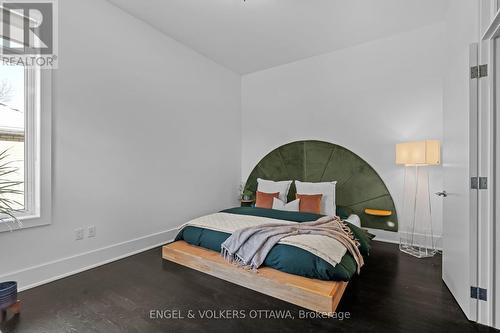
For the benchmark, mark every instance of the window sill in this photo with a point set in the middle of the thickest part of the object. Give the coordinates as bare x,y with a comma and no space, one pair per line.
27,220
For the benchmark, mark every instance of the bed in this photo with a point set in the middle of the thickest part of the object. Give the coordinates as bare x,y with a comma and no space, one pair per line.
290,272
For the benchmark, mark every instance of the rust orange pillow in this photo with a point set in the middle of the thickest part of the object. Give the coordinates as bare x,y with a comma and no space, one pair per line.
265,200
310,203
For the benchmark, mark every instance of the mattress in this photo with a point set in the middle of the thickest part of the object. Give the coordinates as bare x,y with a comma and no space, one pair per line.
283,257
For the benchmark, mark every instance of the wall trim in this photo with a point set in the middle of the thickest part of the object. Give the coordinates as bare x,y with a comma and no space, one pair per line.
393,237
40,274
50,271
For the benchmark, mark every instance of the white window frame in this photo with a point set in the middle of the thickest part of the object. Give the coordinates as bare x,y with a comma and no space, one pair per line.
31,145
37,179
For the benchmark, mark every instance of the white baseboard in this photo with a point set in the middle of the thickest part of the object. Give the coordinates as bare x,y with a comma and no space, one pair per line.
393,237
57,269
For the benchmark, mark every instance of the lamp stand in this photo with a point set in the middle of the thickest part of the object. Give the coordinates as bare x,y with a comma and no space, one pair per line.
416,234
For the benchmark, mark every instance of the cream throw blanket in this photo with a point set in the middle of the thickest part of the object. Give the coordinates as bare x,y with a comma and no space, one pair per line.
327,238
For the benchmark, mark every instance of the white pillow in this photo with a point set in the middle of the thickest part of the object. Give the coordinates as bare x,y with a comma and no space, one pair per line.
268,186
328,191
292,206
354,219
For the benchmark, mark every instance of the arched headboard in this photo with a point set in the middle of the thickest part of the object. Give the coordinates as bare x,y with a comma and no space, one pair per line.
358,185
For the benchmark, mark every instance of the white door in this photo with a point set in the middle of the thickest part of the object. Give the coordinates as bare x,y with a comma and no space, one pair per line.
460,156
471,147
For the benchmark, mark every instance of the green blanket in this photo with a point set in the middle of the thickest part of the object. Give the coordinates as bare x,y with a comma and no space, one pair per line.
286,258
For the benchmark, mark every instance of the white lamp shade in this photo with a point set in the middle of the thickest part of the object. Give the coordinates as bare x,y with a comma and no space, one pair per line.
426,152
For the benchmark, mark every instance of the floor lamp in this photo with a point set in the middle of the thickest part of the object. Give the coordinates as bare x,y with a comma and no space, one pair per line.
416,235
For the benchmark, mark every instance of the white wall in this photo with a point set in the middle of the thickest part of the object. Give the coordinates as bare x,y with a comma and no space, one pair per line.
146,134
366,98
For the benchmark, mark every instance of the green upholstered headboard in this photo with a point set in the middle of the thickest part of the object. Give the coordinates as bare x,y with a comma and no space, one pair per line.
358,184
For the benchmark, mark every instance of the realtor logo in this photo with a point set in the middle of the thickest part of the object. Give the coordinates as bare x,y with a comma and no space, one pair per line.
28,33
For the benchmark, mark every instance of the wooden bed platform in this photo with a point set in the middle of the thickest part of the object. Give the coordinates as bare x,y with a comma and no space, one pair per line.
316,295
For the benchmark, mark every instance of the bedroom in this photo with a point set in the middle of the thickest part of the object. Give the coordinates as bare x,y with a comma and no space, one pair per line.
159,113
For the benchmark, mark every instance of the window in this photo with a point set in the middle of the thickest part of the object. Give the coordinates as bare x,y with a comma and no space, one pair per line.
19,135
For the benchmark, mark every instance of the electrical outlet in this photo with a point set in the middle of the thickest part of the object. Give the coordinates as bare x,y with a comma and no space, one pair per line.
79,233
92,231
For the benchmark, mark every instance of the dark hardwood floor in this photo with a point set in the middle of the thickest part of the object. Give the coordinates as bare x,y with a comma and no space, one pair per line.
395,293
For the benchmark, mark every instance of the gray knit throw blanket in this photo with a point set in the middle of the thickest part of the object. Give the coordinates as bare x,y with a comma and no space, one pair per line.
248,247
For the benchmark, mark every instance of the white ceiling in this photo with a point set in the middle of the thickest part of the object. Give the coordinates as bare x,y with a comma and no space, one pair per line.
258,34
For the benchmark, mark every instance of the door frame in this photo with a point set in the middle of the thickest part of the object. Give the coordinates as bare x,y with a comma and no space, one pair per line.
489,150
496,228
473,172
